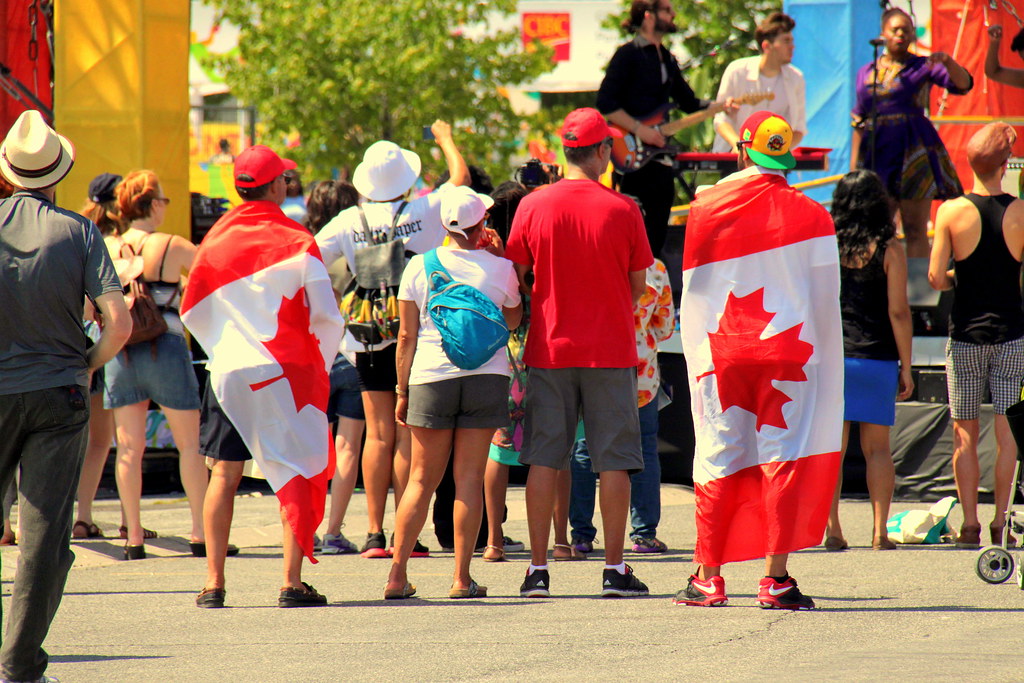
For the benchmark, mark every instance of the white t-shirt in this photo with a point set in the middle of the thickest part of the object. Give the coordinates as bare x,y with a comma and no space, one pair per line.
419,227
492,275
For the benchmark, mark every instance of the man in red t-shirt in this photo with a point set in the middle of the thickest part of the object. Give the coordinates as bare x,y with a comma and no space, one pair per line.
587,250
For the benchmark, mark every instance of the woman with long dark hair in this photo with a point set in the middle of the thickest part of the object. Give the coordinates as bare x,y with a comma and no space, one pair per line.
876,337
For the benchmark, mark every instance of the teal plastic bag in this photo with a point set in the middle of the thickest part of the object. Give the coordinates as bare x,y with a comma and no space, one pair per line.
922,526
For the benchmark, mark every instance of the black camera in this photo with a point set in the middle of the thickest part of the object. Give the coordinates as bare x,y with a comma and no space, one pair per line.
535,173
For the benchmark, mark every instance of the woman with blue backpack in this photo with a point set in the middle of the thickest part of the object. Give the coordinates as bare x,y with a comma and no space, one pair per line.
456,305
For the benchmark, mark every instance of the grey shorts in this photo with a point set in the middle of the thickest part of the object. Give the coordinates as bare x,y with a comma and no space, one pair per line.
606,400
969,366
470,402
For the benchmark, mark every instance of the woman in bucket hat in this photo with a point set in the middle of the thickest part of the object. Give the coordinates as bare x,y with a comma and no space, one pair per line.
384,177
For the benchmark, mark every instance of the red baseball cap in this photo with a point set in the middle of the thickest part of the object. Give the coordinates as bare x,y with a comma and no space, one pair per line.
259,165
585,127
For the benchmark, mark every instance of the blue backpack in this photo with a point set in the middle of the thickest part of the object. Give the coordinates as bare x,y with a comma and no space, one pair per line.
472,327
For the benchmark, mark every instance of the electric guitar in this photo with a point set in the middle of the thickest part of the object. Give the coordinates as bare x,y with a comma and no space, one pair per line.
630,153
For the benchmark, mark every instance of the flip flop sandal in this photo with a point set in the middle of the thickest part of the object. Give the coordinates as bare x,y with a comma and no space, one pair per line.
146,533
572,556
475,590
406,591
499,554
86,530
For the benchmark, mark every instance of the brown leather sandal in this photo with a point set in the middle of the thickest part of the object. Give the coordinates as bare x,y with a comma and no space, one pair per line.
493,553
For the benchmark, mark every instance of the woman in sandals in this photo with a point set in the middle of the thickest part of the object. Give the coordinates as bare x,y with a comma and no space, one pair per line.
450,411
876,338
159,370
101,209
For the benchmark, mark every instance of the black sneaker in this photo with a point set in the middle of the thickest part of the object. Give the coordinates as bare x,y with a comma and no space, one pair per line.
772,594
418,550
300,597
375,546
536,585
618,585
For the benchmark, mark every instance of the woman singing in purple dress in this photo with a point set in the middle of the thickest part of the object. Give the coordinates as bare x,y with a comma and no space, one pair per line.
907,152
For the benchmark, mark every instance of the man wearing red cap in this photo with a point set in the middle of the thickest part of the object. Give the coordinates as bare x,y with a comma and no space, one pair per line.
260,302
762,337
588,254
984,233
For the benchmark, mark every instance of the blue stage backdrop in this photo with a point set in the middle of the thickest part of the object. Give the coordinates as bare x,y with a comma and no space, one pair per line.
831,44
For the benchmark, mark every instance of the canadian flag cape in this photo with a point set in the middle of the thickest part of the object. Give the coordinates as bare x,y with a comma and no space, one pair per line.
259,301
762,337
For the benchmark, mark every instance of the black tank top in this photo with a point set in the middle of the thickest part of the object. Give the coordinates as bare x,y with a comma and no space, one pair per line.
864,298
987,301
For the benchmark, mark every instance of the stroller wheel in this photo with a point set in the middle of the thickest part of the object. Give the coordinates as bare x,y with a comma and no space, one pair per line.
994,565
1019,574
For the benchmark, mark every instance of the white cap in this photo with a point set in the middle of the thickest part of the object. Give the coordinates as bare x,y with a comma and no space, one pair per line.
462,208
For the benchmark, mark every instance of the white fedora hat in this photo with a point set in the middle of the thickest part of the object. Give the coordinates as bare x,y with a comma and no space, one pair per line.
387,171
33,156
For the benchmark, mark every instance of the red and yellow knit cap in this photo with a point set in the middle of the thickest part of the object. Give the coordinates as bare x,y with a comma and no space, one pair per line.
768,137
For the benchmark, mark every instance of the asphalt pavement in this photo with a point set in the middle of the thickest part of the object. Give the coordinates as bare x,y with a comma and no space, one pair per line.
914,614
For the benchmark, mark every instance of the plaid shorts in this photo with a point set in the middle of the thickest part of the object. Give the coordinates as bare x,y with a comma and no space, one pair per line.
969,365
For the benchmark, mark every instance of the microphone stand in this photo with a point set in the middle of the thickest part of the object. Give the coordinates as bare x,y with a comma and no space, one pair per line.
874,105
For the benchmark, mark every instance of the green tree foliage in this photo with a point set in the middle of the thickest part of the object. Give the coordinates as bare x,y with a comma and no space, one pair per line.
711,34
345,74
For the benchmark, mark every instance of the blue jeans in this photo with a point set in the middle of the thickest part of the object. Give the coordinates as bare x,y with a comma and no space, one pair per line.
645,486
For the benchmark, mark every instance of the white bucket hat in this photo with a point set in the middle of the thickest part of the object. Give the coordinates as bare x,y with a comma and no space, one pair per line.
33,156
462,208
387,171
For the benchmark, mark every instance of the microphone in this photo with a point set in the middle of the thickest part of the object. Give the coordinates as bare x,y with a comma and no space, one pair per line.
877,42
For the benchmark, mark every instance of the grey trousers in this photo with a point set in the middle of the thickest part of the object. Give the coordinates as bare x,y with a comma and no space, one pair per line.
44,433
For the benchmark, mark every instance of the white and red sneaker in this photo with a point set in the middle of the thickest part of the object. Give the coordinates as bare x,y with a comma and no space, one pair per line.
773,594
709,593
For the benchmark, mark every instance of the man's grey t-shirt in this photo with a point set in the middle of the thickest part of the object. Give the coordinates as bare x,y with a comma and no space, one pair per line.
50,259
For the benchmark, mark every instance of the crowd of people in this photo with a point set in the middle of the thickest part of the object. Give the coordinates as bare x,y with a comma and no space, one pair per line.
435,340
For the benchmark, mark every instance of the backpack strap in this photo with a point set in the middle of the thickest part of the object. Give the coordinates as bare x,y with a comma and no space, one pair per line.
394,221
432,267
391,231
163,259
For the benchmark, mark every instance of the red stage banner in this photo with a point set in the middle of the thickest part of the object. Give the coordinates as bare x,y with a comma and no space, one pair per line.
29,60
988,98
550,29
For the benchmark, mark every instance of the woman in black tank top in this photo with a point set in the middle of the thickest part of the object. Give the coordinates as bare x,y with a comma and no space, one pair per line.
876,337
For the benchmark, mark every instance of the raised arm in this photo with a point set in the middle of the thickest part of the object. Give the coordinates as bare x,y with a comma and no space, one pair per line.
457,167
993,69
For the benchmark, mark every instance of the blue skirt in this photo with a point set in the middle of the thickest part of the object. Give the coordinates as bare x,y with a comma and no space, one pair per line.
870,390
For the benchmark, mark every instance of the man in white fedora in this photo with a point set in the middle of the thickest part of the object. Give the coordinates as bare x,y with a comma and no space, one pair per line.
384,177
50,261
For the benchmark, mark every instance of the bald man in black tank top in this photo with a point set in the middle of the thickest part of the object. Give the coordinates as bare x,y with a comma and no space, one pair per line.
984,233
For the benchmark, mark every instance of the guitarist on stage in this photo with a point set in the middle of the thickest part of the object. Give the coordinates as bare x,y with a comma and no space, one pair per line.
770,74
641,77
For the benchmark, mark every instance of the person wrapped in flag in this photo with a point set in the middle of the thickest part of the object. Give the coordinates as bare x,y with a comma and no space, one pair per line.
762,336
260,303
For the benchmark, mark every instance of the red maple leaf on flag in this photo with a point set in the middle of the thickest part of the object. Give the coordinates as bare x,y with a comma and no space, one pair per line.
746,365
297,350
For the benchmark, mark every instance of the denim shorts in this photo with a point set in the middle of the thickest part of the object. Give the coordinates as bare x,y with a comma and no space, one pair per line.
345,399
160,371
